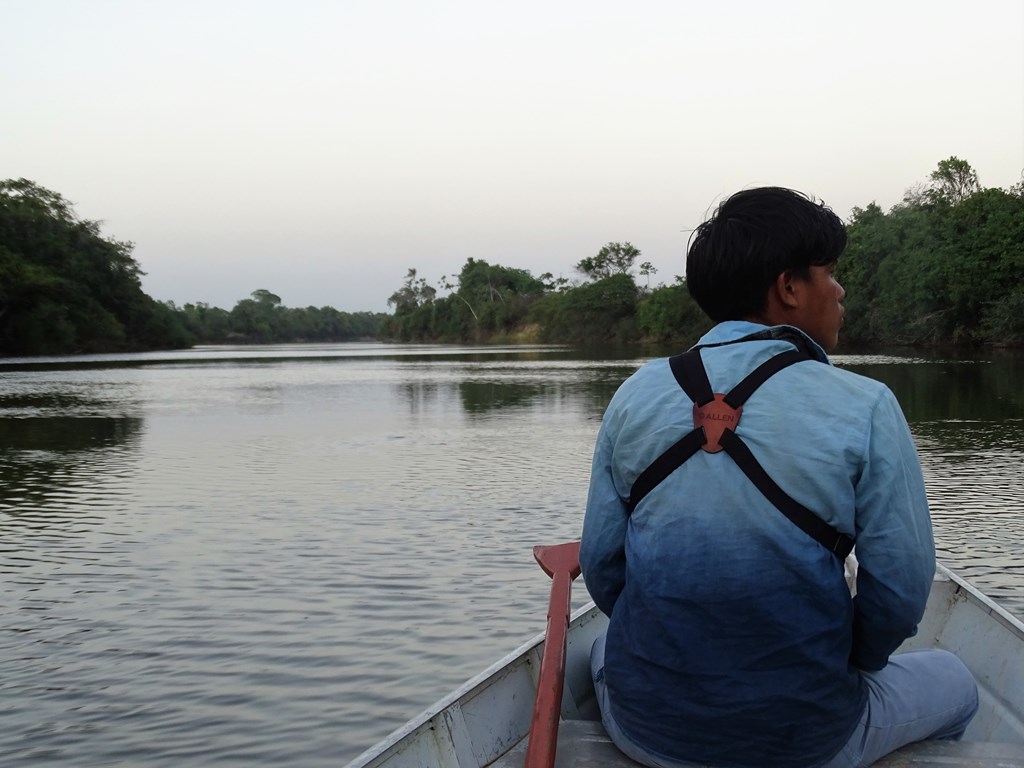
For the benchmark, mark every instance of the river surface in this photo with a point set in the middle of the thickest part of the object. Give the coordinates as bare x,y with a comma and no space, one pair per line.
270,556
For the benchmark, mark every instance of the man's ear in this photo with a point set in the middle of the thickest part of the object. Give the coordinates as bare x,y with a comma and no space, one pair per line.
785,290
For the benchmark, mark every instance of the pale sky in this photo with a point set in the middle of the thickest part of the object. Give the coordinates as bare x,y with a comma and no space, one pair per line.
320,149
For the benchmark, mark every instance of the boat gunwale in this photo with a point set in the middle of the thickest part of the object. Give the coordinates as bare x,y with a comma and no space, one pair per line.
993,608
465,691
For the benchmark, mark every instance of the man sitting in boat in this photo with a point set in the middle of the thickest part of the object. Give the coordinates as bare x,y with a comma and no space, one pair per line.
728,484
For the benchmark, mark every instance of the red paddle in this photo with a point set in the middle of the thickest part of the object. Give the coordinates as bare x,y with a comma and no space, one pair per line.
562,563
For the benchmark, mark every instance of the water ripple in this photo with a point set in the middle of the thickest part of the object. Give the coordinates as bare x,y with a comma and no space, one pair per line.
209,559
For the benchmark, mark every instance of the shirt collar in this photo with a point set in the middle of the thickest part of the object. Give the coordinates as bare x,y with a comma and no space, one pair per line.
731,330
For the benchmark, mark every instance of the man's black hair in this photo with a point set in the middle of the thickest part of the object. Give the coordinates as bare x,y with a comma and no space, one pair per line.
753,237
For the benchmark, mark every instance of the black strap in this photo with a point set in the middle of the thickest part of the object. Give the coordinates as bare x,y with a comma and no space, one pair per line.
664,466
691,375
689,372
835,542
739,394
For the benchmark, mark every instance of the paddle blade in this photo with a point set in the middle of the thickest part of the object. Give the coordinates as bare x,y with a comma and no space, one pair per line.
559,558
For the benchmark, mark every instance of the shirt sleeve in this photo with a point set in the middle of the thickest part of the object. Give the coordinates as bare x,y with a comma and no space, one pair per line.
895,548
603,543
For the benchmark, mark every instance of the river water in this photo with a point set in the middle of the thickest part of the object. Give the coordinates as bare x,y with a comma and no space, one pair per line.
275,555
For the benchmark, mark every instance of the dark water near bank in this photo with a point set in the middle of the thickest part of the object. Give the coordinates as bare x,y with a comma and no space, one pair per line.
275,555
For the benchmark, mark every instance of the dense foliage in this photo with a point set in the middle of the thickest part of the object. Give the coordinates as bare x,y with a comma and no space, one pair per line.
261,319
487,303
494,303
65,288
945,266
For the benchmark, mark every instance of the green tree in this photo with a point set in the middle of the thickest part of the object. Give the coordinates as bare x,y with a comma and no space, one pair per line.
954,181
603,311
612,259
486,301
414,318
66,288
1017,190
261,319
1004,320
263,296
414,291
872,237
552,283
211,325
670,315
497,297
982,260
941,267
646,270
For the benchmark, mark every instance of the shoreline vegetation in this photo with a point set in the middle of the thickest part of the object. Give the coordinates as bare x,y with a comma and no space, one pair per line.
942,268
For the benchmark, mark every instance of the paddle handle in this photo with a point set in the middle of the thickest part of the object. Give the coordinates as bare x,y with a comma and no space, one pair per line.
561,562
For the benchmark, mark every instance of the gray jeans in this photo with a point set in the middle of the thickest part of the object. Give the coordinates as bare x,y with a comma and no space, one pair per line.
918,695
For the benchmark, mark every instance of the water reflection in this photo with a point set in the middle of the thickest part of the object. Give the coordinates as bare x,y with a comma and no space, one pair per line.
59,477
482,396
66,434
987,390
421,396
489,387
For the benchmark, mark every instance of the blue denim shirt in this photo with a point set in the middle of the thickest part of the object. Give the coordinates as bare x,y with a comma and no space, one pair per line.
733,639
